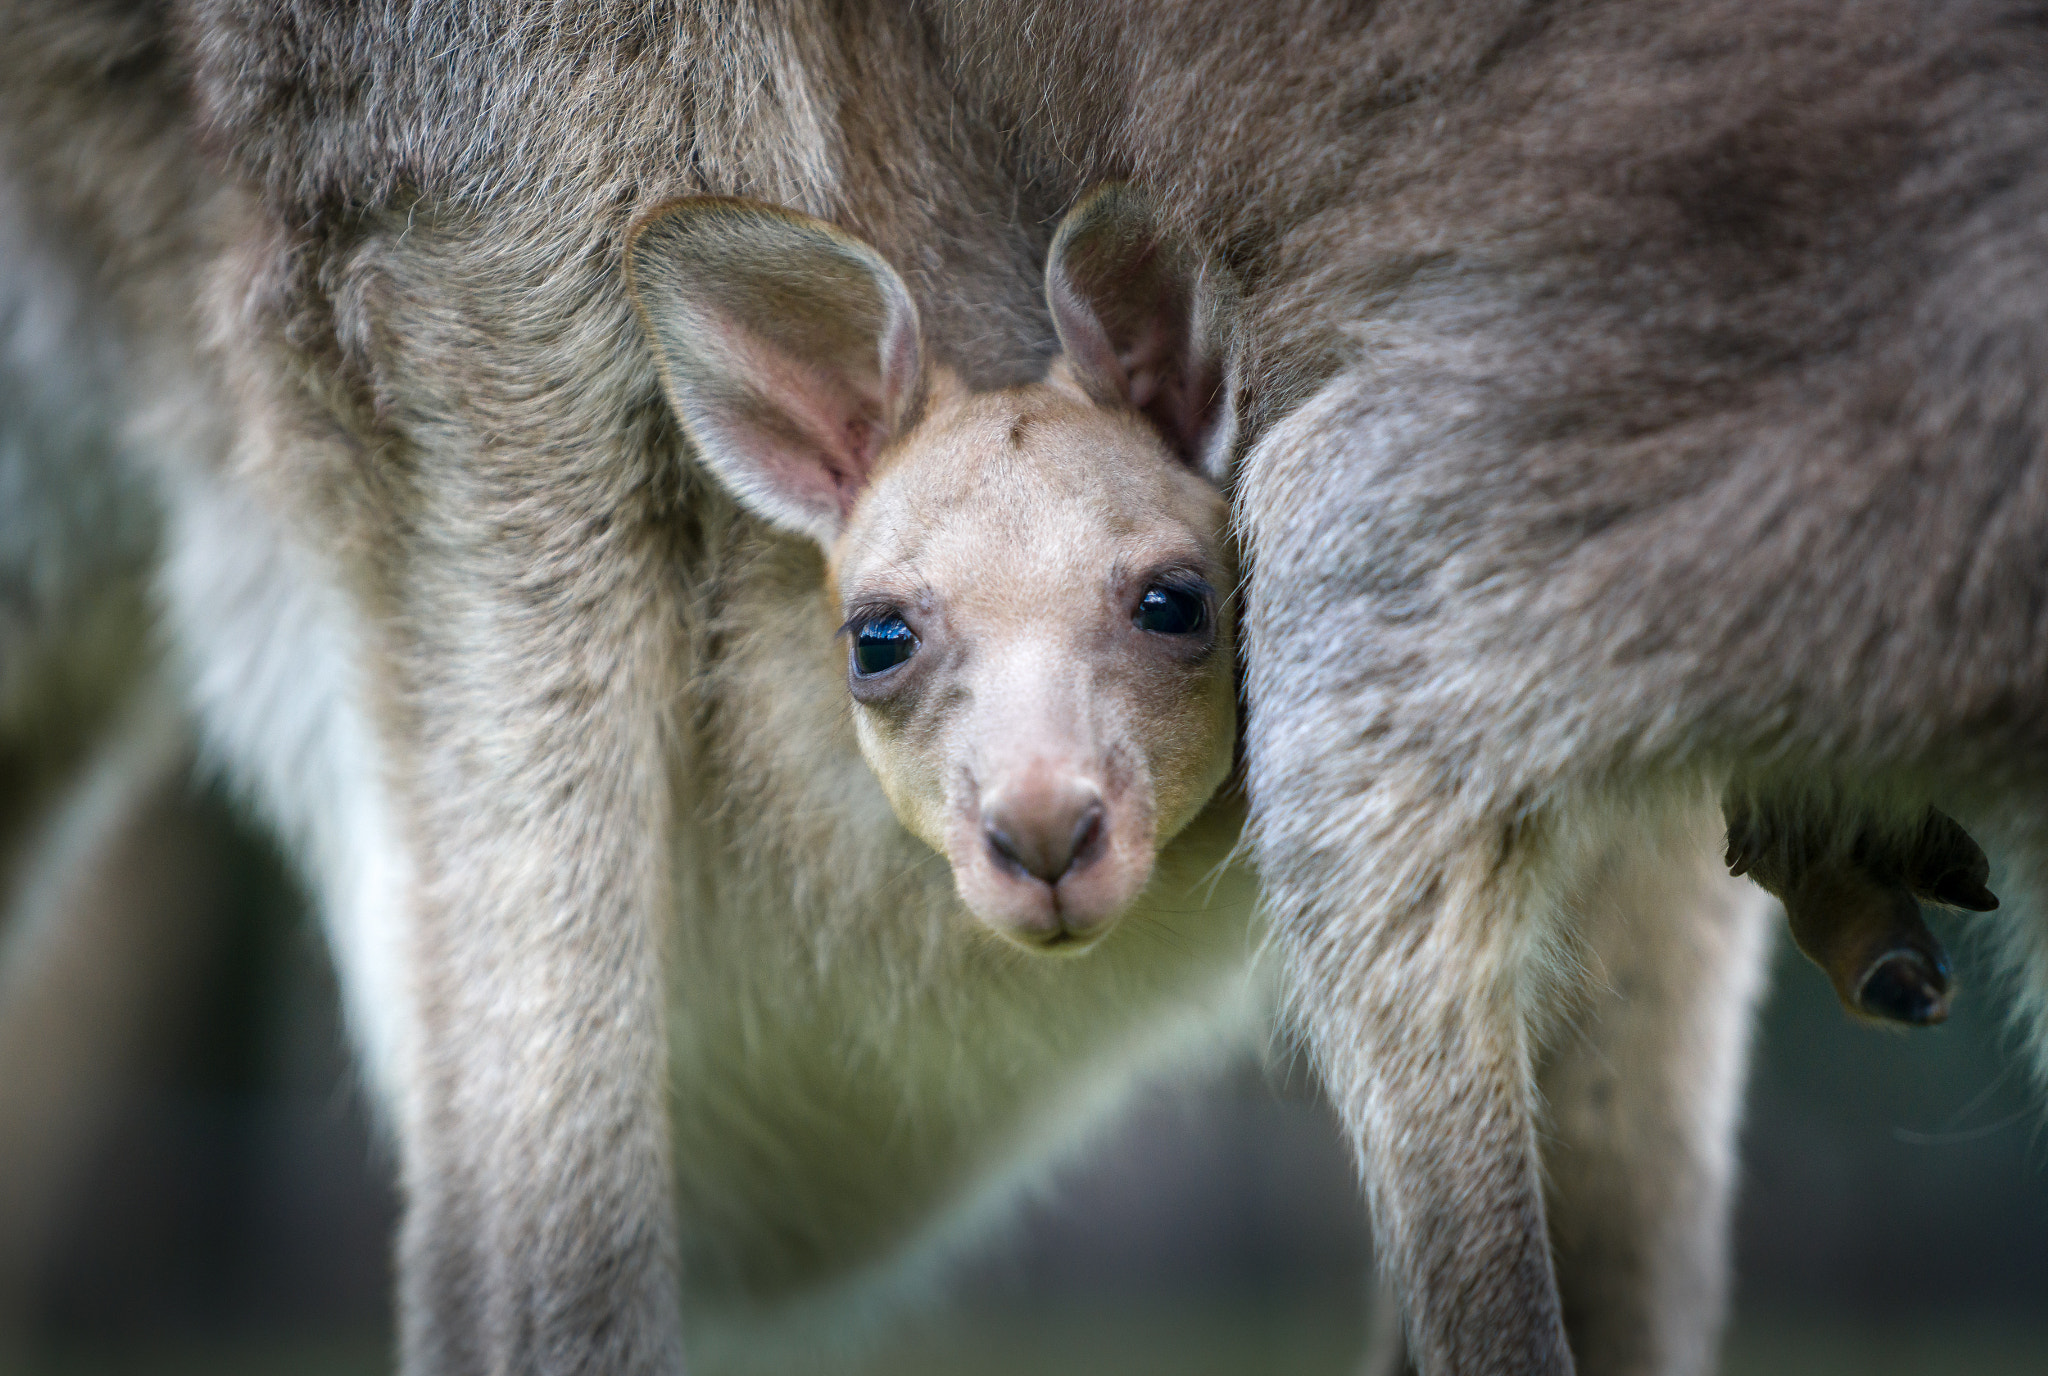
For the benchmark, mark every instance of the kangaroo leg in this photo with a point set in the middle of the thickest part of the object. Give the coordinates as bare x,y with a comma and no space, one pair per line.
477,782
1643,1084
539,1232
1417,936
505,629
1411,987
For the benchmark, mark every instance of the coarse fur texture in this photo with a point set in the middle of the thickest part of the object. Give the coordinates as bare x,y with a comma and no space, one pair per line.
1637,402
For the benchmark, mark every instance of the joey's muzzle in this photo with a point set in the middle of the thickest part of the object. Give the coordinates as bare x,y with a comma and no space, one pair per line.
1047,860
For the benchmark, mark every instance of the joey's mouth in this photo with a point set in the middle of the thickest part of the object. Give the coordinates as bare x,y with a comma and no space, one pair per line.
1047,926
1066,930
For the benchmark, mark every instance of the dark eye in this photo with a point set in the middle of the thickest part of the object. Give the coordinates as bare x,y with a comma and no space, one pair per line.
1168,610
880,644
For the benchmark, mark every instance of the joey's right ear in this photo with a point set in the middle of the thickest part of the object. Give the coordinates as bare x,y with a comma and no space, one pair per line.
788,349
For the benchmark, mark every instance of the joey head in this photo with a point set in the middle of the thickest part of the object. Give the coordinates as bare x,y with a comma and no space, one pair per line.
1033,583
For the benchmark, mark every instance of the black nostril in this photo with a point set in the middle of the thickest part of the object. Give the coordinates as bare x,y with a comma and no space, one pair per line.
1013,857
1089,837
1047,852
1022,858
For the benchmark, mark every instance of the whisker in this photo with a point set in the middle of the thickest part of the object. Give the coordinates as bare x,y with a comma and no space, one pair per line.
1165,934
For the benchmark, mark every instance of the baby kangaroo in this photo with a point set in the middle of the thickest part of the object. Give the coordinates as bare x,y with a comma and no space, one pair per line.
1031,582
1018,644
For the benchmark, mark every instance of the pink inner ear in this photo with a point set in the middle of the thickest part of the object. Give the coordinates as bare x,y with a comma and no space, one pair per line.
1136,346
810,434
1151,358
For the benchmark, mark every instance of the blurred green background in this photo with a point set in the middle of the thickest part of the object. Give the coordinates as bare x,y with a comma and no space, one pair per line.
234,1215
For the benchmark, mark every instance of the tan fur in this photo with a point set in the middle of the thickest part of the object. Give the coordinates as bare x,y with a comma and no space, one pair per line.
1012,565
1029,724
997,522
1637,401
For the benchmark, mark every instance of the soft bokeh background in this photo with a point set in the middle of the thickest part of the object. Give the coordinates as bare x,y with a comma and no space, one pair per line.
233,1216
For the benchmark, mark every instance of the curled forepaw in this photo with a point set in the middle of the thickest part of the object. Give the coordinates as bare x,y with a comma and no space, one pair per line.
1852,896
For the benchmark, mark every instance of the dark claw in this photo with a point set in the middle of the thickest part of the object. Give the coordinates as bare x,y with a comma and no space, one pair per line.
1944,866
1905,987
1962,891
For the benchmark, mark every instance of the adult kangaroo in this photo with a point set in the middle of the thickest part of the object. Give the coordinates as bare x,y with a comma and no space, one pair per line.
1603,370
1653,397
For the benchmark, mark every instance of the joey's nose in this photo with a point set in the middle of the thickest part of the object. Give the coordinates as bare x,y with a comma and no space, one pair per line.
1046,831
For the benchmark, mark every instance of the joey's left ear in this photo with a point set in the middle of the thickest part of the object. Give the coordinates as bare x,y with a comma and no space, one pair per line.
1144,324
